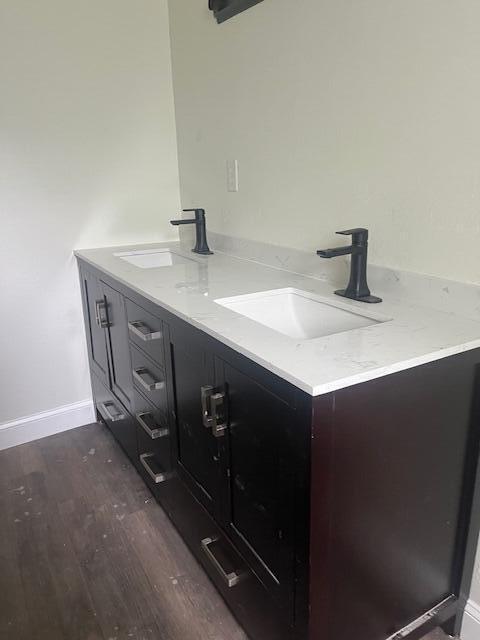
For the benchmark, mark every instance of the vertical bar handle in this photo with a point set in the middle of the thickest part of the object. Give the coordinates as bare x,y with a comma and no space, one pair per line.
206,393
101,314
219,421
213,410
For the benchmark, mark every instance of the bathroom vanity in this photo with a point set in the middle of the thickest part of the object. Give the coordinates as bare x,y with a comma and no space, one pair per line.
318,457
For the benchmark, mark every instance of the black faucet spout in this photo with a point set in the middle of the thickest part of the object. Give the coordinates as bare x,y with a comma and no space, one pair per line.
357,288
178,222
333,253
201,244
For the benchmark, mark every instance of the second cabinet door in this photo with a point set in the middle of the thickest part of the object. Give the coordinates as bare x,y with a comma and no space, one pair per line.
197,451
260,467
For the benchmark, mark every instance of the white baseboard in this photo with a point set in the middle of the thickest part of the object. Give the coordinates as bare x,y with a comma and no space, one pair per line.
471,622
46,423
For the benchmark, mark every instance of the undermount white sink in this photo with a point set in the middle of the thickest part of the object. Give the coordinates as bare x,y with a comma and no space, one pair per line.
299,314
152,258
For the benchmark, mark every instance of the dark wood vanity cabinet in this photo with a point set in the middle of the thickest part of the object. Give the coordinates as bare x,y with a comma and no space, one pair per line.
346,515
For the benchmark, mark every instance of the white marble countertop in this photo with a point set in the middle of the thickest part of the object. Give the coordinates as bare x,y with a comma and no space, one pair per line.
415,335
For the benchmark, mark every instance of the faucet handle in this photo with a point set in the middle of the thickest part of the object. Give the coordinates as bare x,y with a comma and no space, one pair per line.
359,235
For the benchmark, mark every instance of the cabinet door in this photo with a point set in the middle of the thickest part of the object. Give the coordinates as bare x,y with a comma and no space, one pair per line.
94,308
260,459
119,351
197,453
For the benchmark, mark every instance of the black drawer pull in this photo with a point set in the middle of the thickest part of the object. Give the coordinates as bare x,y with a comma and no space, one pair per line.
143,376
232,578
156,477
141,330
147,422
107,413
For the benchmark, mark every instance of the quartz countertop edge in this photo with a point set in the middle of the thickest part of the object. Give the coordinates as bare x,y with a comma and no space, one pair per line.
414,334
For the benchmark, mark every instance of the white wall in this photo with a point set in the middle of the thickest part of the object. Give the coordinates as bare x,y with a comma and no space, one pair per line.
475,594
340,113
87,158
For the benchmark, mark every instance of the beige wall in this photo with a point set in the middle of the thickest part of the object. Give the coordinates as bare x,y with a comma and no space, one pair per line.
340,113
87,158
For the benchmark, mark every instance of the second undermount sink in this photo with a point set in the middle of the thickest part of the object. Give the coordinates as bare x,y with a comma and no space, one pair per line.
299,314
152,258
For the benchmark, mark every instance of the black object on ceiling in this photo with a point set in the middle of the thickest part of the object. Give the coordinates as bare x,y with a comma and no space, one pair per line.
225,9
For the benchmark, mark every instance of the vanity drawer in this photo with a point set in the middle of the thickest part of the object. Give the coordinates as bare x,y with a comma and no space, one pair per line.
116,417
153,432
149,379
146,331
152,419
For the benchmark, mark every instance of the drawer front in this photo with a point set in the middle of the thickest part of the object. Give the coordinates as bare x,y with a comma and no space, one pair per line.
116,417
145,331
153,434
250,601
149,379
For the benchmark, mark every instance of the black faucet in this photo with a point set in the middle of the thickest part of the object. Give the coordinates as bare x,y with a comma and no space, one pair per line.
357,288
201,245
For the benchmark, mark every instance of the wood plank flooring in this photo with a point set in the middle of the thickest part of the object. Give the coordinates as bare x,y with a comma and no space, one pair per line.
87,554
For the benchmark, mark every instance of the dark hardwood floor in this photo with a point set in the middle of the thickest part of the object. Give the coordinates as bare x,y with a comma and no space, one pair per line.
87,554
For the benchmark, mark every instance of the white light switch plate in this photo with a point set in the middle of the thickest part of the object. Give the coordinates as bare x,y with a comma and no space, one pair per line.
232,175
